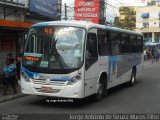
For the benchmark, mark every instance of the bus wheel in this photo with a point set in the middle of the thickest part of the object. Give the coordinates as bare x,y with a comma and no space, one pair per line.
133,79
100,92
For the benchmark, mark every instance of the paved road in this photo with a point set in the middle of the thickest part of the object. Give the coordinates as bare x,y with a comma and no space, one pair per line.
144,97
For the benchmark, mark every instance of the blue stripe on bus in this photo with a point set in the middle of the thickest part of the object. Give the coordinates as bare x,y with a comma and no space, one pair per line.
40,24
32,74
60,78
28,73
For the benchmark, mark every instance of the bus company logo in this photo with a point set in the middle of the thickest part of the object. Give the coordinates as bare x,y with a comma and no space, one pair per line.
47,81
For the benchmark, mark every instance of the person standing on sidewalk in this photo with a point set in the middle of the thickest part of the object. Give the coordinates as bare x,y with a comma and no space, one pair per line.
18,68
9,72
157,55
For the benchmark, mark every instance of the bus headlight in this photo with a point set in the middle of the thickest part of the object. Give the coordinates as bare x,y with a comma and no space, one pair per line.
25,77
74,79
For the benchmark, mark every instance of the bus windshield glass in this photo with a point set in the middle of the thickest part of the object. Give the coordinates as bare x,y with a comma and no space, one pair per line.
54,47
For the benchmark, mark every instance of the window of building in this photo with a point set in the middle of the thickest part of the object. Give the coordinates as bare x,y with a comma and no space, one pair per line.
145,15
159,14
146,24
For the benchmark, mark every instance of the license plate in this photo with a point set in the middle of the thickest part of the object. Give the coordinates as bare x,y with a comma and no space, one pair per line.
46,89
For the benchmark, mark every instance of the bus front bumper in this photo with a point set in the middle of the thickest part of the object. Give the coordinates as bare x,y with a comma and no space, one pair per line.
66,91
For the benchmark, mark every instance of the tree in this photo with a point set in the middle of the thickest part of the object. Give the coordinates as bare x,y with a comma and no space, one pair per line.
127,18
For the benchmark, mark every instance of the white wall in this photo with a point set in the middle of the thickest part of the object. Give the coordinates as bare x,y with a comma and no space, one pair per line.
153,16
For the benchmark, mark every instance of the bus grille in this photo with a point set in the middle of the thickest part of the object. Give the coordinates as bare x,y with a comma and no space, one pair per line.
43,82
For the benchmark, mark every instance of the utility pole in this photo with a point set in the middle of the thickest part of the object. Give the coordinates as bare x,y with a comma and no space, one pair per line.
65,8
102,12
59,9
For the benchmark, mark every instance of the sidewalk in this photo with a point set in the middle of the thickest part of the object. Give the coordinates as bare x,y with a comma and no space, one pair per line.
11,96
150,63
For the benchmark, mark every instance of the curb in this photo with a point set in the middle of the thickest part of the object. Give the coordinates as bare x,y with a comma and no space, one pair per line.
11,97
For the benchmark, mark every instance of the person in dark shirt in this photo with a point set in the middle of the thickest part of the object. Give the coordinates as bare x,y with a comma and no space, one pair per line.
9,72
156,55
18,65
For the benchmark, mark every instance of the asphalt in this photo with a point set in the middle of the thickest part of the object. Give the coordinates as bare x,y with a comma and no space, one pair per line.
11,96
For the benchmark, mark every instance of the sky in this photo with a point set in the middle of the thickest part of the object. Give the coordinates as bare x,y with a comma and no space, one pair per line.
112,7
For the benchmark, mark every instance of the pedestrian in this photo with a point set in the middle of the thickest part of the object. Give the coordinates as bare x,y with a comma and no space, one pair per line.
18,65
157,55
1,78
145,55
154,55
9,72
148,53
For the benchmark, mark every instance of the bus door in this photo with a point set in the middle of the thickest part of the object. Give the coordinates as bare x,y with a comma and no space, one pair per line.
91,63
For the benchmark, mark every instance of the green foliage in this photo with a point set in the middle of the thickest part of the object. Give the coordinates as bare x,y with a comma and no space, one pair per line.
129,21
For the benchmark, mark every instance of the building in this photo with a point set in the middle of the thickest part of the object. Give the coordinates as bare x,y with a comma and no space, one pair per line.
148,22
12,29
153,2
16,16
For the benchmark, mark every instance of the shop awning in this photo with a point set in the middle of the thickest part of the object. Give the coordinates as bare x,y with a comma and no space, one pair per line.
16,24
151,44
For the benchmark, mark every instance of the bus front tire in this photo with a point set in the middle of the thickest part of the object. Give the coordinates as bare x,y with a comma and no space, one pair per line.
132,79
100,92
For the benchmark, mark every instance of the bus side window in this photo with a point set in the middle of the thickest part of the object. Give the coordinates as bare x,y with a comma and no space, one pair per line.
139,44
133,43
103,42
125,48
91,50
114,39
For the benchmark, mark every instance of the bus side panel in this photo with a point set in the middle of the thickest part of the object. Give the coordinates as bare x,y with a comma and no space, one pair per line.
140,66
91,79
120,67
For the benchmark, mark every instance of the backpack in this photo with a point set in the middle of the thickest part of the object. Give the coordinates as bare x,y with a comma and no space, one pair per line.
9,71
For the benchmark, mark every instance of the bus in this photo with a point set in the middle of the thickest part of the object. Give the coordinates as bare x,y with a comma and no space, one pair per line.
76,59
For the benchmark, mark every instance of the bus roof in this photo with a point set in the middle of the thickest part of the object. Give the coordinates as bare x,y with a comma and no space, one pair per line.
84,24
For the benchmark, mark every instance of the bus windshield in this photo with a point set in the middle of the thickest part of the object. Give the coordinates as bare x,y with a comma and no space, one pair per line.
54,47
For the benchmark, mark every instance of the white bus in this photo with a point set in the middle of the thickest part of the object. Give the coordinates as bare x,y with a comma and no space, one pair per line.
72,59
